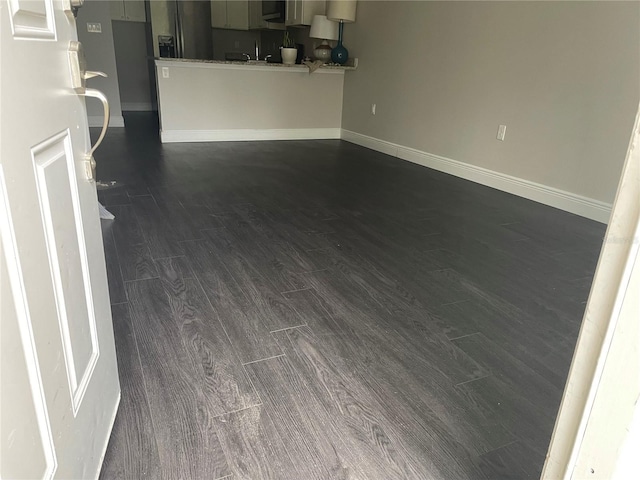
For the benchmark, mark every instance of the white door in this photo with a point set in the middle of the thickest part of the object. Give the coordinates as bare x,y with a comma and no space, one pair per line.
59,384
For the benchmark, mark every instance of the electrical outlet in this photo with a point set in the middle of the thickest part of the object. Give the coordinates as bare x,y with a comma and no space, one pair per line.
502,129
165,72
94,27
236,44
373,109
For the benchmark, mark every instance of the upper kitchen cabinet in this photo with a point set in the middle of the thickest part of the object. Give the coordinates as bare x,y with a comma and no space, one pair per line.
255,15
301,12
231,14
128,10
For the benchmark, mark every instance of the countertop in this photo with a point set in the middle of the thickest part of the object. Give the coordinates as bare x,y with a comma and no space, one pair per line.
252,65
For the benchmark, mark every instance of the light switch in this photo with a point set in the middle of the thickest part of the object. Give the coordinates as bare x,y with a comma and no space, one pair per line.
94,27
502,130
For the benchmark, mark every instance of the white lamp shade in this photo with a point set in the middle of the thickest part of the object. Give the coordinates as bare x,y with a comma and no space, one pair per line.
323,28
344,10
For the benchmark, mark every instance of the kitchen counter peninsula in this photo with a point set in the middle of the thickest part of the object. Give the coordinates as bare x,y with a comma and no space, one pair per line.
214,100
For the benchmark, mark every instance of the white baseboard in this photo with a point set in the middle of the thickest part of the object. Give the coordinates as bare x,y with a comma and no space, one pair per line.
136,107
570,202
114,121
172,136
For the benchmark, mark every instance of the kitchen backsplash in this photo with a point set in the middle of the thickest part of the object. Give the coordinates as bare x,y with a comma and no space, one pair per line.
269,41
233,41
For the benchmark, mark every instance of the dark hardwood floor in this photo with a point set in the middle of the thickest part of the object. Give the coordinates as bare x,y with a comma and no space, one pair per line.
317,310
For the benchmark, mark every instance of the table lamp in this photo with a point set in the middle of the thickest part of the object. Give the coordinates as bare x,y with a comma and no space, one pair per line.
325,30
341,11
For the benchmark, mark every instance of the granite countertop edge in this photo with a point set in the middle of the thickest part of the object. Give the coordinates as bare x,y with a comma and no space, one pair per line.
250,64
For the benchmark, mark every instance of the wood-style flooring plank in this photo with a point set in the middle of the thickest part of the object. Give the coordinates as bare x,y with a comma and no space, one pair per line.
509,462
241,320
263,299
512,371
126,229
174,267
503,404
219,371
513,331
362,420
114,274
136,263
274,261
132,450
396,318
254,447
160,234
188,445
111,198
301,422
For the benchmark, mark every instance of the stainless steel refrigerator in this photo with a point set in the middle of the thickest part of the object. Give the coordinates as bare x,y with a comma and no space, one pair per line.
181,29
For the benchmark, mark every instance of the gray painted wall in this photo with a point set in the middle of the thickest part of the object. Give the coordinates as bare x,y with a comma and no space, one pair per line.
135,67
563,76
100,55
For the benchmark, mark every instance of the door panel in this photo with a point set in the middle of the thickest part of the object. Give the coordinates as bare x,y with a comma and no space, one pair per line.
23,414
60,213
32,19
58,335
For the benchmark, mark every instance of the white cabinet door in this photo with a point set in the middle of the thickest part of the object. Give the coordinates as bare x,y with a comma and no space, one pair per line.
238,14
116,7
134,10
59,387
255,15
128,10
292,8
301,12
219,13
231,14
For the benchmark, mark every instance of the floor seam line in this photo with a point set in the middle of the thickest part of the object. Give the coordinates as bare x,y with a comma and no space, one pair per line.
263,359
172,256
295,290
498,448
456,302
473,380
142,279
464,336
288,328
238,410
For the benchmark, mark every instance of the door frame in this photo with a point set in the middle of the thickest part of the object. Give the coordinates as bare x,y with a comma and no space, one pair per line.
604,312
